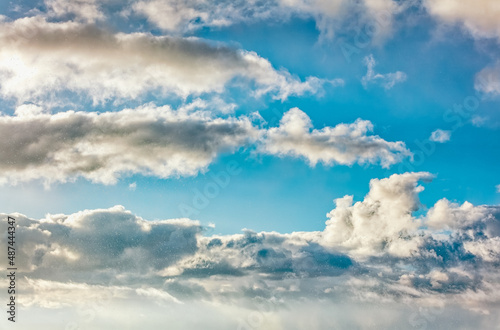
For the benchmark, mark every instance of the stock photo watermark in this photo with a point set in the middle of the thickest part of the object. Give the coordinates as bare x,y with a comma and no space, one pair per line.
11,269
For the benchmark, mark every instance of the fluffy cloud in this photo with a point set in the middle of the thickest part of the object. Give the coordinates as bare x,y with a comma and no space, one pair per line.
374,250
387,80
343,144
440,136
90,241
40,59
162,142
103,146
383,221
480,18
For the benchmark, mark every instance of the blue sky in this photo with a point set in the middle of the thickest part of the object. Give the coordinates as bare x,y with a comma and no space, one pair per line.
142,103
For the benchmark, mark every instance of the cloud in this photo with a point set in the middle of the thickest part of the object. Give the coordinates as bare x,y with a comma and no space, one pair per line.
387,80
447,215
85,10
173,15
498,188
102,147
90,241
487,80
162,142
383,221
375,250
479,18
440,136
344,144
41,60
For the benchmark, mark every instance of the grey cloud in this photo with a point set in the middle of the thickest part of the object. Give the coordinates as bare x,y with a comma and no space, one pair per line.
101,147
162,142
421,260
41,60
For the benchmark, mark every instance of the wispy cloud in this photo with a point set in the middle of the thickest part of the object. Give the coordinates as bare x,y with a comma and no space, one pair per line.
387,80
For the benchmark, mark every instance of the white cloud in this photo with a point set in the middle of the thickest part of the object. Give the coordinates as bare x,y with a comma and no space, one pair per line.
174,15
40,60
85,10
480,17
488,80
387,80
102,147
344,144
162,142
382,222
498,188
440,136
374,250
446,215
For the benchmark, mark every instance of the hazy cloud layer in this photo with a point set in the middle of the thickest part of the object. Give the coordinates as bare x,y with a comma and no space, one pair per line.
41,59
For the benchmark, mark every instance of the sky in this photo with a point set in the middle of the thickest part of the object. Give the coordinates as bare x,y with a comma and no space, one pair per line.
273,164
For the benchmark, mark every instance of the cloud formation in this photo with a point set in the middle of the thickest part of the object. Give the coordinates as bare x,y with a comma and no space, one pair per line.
344,144
373,250
387,80
479,18
162,142
101,147
488,80
440,136
41,59
181,17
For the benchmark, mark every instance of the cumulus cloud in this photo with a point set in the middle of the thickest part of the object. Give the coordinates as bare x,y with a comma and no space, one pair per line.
375,250
383,221
440,136
480,18
387,80
162,142
344,144
98,240
40,59
101,147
